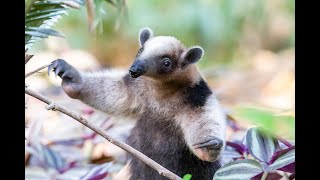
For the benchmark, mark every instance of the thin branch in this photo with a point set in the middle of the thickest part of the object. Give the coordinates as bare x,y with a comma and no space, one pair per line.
122,14
27,57
36,70
90,12
264,175
286,176
161,170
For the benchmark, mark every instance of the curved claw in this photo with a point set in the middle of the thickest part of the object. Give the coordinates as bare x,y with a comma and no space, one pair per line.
50,67
65,71
58,70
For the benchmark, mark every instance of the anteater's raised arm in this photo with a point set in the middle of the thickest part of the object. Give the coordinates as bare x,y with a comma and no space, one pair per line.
108,91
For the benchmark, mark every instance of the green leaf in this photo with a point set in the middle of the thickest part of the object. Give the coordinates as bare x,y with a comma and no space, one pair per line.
46,31
43,12
187,177
280,124
261,145
240,169
44,17
283,160
36,34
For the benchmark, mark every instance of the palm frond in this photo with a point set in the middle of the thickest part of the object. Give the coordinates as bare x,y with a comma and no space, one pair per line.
41,15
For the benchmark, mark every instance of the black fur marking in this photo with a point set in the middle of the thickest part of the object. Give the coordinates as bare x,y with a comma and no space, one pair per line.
163,142
197,95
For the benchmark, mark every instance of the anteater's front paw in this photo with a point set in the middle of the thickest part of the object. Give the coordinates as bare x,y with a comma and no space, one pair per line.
64,70
71,78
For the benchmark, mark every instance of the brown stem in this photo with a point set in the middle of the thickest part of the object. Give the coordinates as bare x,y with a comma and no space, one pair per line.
27,58
90,12
161,170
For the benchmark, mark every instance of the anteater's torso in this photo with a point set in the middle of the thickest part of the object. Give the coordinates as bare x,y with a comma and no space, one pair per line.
163,142
158,135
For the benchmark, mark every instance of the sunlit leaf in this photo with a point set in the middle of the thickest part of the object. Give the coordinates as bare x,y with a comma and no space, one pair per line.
240,169
284,160
290,168
279,153
46,31
261,145
187,177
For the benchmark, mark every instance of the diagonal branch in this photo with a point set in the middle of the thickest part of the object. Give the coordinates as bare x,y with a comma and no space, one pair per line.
161,170
36,70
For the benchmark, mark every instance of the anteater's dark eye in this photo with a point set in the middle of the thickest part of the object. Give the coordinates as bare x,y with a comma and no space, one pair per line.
166,62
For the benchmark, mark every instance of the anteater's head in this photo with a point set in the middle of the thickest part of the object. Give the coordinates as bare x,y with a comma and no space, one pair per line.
163,57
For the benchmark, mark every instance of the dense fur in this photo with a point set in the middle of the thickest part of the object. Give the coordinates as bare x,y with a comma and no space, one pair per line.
153,134
180,123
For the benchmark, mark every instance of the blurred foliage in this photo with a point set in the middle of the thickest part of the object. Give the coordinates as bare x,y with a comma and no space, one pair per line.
229,30
232,32
281,124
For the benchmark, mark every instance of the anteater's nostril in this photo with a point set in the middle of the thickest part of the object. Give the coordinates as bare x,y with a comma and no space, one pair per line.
134,74
212,144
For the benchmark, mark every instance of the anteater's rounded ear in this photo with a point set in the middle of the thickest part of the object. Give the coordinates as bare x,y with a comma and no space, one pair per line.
145,34
192,55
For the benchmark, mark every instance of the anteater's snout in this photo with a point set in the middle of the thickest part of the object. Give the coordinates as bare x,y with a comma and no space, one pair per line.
209,150
212,144
137,69
135,73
